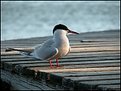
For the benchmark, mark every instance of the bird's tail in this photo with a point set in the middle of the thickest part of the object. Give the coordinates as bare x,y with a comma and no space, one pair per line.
10,49
14,49
24,52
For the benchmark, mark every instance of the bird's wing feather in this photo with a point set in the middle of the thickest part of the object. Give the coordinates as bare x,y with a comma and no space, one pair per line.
50,53
46,50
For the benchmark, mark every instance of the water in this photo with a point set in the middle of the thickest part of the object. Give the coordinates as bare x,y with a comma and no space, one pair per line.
37,19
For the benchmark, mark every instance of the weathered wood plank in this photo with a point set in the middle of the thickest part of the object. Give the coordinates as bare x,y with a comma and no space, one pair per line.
94,45
75,66
65,65
75,85
63,61
110,87
80,85
102,82
93,85
94,78
10,53
82,70
81,74
95,49
23,83
94,53
82,82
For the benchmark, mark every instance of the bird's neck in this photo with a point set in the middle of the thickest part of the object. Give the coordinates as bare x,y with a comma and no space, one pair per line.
60,32
60,38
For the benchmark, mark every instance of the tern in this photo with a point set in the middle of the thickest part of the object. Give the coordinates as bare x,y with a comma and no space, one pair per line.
54,48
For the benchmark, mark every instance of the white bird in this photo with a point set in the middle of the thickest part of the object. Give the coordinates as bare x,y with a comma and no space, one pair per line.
54,48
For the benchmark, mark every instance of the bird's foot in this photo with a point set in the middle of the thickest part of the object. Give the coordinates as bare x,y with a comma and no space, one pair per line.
51,66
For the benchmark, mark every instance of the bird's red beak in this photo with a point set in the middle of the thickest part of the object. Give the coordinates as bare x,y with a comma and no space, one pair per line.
70,31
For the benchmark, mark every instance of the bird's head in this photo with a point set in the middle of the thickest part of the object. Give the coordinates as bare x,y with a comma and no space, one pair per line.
63,27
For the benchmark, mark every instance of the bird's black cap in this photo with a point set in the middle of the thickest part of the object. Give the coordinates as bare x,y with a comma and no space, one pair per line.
60,26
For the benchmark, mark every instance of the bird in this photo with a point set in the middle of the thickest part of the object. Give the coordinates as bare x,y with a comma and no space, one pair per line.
54,48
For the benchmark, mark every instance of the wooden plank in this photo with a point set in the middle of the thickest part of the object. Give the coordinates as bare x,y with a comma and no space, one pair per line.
94,41
67,83
75,85
81,74
29,63
95,45
89,52
65,65
94,78
66,58
77,59
93,85
110,87
69,59
23,83
95,49
93,54
92,65
63,61
70,56
81,70
75,66
102,82
11,66
10,53
88,75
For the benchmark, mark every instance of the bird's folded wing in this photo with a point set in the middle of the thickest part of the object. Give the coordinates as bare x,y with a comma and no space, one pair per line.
50,53
46,50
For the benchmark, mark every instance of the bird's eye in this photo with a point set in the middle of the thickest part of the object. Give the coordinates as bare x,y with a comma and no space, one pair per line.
68,31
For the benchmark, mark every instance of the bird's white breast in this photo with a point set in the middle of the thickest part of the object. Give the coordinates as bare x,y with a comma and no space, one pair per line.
61,42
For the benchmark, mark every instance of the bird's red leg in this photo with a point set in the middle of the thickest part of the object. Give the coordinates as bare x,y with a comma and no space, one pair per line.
50,61
57,64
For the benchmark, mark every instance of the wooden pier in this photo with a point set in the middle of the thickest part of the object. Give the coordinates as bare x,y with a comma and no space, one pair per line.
92,64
